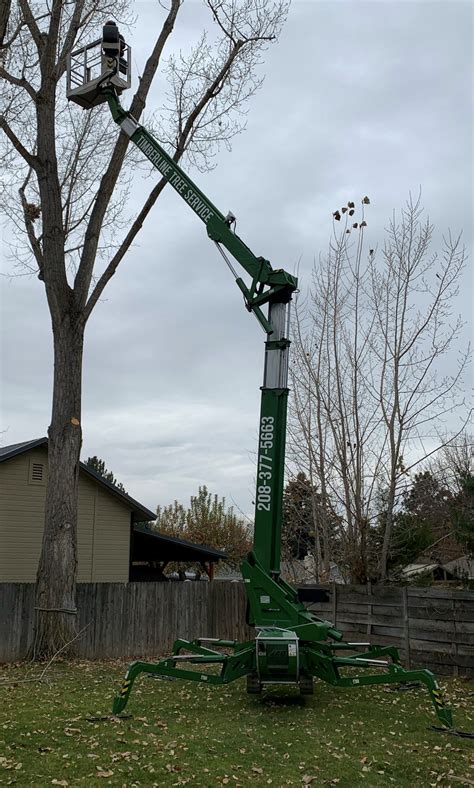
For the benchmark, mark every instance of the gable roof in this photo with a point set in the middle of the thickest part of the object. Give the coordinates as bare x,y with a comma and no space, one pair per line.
140,513
7,452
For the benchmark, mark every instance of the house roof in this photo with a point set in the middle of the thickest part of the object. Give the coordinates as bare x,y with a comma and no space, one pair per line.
140,513
411,570
150,545
7,452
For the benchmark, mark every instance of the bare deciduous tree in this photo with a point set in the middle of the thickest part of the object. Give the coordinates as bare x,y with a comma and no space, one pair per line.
66,178
370,397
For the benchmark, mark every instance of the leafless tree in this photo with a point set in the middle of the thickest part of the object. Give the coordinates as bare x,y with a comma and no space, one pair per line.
370,397
65,177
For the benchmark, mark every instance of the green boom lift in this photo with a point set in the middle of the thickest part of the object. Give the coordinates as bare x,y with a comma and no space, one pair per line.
292,645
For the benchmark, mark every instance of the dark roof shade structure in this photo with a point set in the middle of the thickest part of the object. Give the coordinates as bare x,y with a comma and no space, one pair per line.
148,546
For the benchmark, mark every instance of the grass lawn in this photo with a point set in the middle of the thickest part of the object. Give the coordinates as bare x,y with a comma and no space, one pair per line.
190,734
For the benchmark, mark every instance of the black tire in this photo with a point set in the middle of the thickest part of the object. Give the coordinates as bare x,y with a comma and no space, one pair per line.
306,685
254,685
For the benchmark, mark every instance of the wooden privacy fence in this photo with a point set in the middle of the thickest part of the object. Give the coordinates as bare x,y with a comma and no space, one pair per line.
129,620
433,628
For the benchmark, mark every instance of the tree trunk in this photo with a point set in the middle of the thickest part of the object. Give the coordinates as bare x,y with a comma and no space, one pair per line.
387,536
56,579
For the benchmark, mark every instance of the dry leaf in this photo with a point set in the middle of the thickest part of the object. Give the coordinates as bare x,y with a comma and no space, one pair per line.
105,773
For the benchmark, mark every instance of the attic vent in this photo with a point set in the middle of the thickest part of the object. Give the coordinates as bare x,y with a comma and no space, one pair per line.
37,473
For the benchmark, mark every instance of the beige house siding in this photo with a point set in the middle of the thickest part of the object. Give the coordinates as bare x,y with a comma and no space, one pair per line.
85,528
103,534
111,540
21,517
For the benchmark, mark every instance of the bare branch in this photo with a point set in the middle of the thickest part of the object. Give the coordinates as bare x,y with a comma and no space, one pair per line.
31,160
32,25
29,217
21,83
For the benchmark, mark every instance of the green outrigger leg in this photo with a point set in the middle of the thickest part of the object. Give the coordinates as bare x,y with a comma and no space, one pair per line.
316,660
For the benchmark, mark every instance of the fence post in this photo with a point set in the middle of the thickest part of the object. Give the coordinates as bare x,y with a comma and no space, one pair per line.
454,647
369,608
406,626
334,603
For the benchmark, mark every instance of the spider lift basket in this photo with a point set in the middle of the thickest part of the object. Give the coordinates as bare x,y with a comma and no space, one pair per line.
106,61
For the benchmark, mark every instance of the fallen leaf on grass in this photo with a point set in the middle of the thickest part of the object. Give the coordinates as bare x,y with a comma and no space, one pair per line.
60,782
170,767
104,772
9,764
307,779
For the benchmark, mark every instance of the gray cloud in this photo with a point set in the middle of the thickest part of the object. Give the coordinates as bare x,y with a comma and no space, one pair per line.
360,98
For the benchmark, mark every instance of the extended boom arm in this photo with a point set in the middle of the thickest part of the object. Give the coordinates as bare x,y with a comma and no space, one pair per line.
268,285
274,287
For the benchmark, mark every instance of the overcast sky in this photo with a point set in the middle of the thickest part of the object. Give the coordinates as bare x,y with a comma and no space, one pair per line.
359,98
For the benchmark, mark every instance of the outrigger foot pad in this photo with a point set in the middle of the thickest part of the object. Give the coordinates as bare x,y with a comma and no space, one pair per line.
451,731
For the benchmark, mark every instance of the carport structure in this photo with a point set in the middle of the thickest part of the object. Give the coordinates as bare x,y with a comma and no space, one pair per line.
152,551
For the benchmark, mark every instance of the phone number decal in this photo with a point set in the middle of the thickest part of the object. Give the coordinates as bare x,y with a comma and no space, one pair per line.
265,464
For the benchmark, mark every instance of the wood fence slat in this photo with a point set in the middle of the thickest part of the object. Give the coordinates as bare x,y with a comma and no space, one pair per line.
432,646
380,594
439,593
433,614
444,626
353,618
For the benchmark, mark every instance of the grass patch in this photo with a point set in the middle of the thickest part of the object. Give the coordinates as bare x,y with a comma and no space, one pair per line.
187,734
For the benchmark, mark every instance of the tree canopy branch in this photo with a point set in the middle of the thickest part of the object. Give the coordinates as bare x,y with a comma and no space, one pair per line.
30,159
